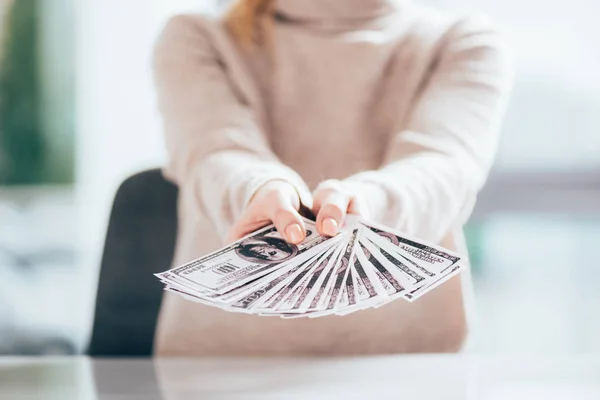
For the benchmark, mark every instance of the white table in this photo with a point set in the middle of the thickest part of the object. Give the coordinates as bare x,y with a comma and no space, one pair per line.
425,377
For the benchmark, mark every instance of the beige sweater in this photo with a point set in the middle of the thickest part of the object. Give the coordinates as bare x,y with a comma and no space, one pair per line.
378,91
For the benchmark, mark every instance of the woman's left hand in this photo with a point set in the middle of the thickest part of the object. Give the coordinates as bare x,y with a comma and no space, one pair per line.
333,199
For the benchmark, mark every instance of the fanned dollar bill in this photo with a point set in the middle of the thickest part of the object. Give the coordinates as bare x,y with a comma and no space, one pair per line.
366,265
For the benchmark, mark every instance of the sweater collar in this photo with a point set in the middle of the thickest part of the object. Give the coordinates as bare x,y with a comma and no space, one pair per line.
335,10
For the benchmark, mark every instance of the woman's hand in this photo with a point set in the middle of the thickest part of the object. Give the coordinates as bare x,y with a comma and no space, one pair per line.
276,201
333,199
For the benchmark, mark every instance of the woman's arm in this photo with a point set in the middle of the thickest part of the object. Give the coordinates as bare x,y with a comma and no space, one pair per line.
436,166
214,142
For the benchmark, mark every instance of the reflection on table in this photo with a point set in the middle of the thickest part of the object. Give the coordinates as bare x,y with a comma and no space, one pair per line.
421,377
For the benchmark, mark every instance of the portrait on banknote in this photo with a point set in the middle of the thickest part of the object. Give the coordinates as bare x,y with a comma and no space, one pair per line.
265,249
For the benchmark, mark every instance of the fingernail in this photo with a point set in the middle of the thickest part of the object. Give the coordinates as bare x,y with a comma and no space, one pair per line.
330,227
294,233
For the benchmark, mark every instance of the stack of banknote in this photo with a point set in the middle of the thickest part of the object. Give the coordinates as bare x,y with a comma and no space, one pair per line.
365,265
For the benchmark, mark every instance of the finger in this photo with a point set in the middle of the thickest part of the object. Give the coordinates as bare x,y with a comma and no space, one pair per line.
239,231
245,225
234,235
289,223
277,206
322,192
330,205
332,213
358,207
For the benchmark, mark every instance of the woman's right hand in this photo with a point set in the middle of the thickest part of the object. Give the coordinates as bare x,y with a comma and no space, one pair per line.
275,202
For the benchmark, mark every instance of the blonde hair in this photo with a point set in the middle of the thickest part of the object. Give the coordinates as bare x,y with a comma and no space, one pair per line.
249,21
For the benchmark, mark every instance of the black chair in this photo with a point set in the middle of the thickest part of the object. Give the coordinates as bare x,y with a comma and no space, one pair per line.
140,241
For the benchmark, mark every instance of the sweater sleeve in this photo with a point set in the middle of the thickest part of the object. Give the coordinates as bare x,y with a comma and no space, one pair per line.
435,167
216,148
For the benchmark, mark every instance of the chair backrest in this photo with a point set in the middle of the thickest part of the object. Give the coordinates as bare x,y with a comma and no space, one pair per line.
140,241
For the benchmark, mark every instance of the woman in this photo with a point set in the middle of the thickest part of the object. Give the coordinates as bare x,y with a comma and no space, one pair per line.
381,108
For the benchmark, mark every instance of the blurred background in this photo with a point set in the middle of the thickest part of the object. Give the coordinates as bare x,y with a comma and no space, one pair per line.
76,102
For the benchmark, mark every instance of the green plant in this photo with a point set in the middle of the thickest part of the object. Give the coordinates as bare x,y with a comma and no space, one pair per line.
22,144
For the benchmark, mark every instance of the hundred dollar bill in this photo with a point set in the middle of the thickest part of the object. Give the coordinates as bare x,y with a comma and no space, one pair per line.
366,294
281,295
435,269
315,284
249,258
350,289
304,288
342,270
402,271
319,298
251,299
449,273
431,259
336,282
367,289
387,279
294,289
